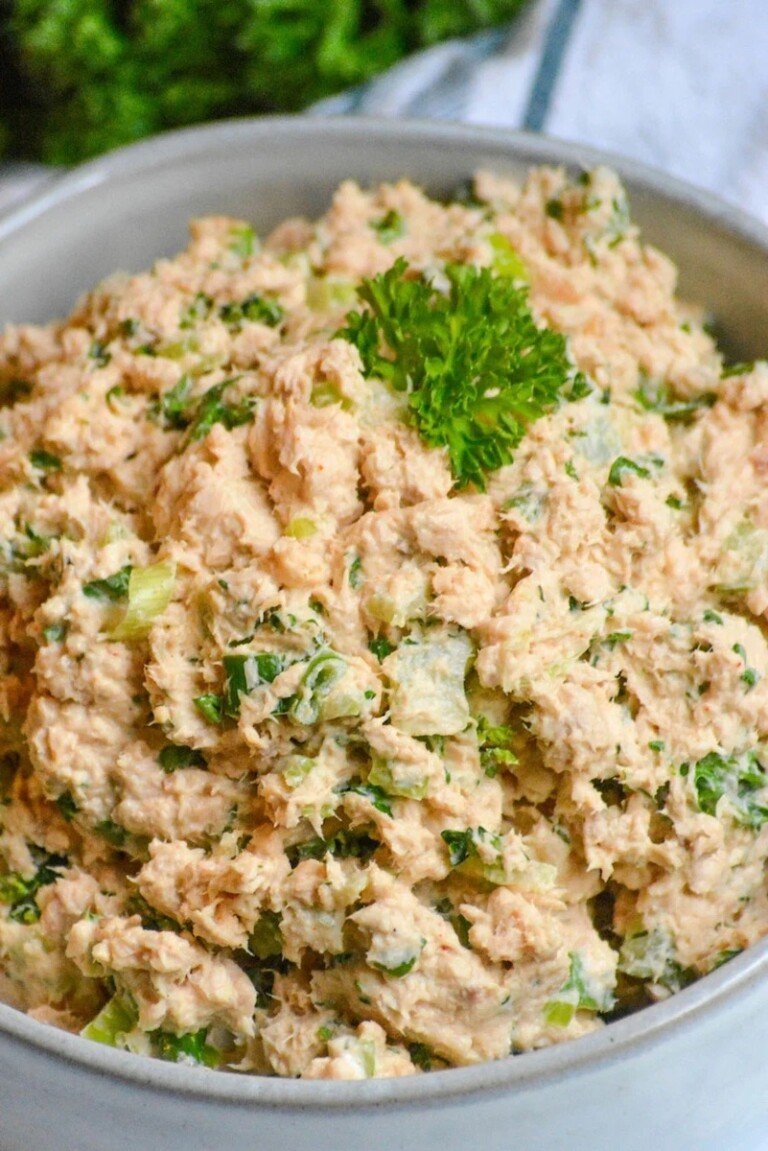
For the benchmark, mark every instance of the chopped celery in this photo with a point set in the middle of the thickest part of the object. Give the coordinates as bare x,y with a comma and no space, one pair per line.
428,696
301,528
149,593
580,992
116,1018
506,261
398,778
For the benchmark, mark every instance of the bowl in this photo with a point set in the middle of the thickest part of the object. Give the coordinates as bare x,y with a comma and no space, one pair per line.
687,1074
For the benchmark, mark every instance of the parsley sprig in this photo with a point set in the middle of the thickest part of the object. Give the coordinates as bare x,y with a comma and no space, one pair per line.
476,367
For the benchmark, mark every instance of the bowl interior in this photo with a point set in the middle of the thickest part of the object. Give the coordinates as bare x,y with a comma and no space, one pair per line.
125,210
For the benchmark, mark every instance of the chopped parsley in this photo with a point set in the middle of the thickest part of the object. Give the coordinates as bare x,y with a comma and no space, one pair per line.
474,366
67,806
380,647
738,778
172,409
20,891
212,409
390,226
657,396
190,1048
44,461
377,796
113,588
356,577
177,755
258,309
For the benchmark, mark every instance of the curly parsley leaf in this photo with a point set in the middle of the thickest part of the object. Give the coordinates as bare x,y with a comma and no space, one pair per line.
476,368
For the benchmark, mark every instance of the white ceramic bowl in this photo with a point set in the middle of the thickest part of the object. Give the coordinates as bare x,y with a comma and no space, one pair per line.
689,1074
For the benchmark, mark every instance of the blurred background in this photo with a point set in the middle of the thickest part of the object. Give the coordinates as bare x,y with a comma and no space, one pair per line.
680,84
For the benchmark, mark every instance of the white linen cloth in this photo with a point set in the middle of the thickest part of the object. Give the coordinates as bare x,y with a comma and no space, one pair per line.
680,84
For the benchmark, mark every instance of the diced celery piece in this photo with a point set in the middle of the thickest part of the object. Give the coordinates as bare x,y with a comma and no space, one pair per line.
149,593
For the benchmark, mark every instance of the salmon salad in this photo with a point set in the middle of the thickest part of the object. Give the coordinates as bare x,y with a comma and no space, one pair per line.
384,678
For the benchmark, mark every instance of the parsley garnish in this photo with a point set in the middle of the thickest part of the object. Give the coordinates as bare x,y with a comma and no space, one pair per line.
476,368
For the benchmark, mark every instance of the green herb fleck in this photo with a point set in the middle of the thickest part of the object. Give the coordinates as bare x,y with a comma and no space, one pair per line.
177,755
390,226
113,589
44,461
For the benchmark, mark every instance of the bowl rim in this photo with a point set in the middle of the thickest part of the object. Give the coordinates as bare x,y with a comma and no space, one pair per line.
620,1040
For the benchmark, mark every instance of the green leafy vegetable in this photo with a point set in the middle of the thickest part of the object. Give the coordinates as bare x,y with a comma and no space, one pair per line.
67,806
738,779
380,647
343,844
506,261
84,76
356,577
474,366
172,409
622,465
378,797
